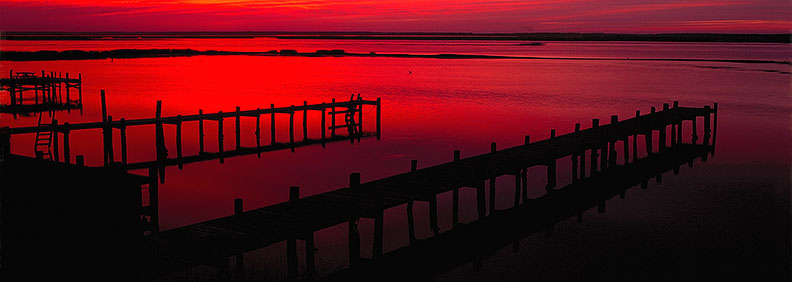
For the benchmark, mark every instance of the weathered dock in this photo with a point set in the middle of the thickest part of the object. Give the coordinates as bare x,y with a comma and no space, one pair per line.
474,241
352,123
30,93
213,242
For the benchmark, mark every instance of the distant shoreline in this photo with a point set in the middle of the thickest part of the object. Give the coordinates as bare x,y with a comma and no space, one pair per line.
158,53
664,37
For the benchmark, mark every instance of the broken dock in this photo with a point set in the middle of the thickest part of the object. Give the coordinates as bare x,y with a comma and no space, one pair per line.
30,93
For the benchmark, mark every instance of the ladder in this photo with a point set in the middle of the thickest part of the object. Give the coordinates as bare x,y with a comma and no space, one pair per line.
349,117
43,146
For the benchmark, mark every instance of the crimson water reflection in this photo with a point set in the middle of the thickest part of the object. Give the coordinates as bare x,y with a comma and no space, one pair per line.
733,211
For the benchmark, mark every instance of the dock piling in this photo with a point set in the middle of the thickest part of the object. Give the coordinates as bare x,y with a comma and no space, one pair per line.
122,128
220,135
237,129
272,125
291,128
305,121
200,132
179,140
66,147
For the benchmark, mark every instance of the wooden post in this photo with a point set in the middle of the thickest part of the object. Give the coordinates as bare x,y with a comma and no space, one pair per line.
524,178
379,118
122,128
493,149
492,195
66,147
291,258
79,89
433,215
238,206
237,130
517,187
55,153
354,243
200,132
635,140
455,196
153,200
5,145
455,207
109,141
575,158
79,160
707,128
294,194
68,98
413,165
291,128
324,124
360,116
291,243
714,127
310,255
272,125
332,120
480,201
594,154
527,140
220,135
354,181
694,137
179,140
612,156
379,221
258,130
305,121
410,223
104,105
662,141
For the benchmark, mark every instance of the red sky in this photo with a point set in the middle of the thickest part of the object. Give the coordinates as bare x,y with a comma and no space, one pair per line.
641,16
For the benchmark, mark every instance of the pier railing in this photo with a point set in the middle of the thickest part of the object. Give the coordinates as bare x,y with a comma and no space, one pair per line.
329,110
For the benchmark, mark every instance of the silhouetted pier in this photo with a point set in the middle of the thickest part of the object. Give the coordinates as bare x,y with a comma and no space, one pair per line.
213,242
474,241
353,124
30,93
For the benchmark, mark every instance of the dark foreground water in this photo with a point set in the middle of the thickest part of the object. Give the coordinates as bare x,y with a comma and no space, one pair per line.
728,217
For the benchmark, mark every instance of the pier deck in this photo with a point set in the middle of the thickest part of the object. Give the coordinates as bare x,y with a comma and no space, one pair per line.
213,242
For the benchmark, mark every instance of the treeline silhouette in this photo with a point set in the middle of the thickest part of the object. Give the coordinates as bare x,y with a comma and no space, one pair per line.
544,36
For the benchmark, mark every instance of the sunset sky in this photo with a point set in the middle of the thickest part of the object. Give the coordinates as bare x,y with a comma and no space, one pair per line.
648,16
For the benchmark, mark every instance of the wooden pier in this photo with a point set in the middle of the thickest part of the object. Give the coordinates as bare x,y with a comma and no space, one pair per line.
474,241
51,91
213,242
353,124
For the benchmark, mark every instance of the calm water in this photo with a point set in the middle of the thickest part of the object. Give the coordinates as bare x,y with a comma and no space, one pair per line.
728,217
